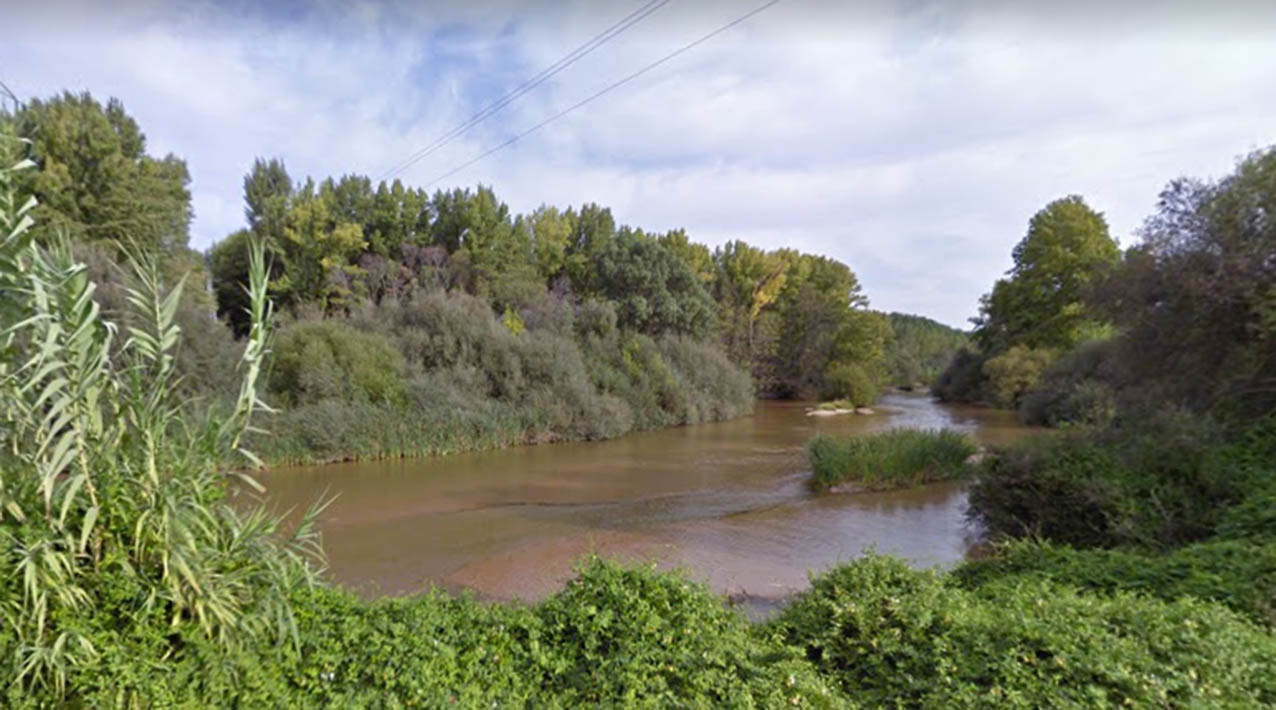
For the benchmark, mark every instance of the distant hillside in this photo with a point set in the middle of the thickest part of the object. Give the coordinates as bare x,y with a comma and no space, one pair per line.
921,349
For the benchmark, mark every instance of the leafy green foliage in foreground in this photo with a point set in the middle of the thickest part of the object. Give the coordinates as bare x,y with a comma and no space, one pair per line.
891,459
873,633
615,637
1237,574
891,636
1142,498
114,530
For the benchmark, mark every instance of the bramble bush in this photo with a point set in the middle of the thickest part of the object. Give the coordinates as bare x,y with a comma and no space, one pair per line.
891,636
1237,574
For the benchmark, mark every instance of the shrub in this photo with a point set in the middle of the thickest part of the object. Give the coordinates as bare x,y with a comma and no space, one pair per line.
849,381
469,382
891,636
902,457
1078,388
633,637
711,387
1239,575
1160,483
1013,373
1059,488
1253,519
329,359
429,651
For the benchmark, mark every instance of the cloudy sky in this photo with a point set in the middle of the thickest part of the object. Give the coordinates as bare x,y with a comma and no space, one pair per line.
911,140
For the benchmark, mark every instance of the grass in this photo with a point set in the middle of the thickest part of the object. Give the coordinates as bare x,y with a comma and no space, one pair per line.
835,405
892,459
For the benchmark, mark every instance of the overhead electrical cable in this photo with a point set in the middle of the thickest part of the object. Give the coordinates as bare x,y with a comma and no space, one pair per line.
601,92
545,74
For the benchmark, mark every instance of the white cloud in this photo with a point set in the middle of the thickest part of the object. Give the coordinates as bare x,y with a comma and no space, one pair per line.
912,141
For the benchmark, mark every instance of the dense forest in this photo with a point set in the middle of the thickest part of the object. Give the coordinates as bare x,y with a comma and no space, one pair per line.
1133,549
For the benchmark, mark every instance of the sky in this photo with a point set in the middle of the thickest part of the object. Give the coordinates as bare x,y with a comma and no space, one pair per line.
911,140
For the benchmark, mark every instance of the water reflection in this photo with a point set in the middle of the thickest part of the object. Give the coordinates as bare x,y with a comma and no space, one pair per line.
727,501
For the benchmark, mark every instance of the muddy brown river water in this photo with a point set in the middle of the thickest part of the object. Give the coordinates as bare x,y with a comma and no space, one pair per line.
728,502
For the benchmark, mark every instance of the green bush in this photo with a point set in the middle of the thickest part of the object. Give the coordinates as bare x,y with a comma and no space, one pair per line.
711,387
464,381
633,637
895,637
1014,372
614,637
1253,519
1237,574
429,651
850,382
1159,483
120,557
1078,388
891,459
329,359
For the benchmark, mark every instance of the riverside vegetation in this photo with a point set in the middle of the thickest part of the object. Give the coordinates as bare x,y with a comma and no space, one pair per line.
892,459
127,580
417,324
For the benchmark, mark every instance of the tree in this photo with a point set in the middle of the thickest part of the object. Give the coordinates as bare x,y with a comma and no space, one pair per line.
750,280
268,191
654,290
551,232
319,250
96,181
1042,302
694,255
228,260
477,230
1196,300
825,323
398,217
593,230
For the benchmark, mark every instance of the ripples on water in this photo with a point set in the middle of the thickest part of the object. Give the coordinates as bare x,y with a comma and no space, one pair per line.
727,501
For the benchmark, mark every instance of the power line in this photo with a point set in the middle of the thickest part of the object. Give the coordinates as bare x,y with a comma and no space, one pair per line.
567,60
17,103
591,97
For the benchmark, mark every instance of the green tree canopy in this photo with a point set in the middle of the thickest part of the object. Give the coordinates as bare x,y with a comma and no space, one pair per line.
96,181
1042,302
1196,300
750,280
655,291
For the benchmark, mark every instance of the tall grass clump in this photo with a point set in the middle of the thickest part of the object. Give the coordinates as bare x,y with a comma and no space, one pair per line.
117,545
891,459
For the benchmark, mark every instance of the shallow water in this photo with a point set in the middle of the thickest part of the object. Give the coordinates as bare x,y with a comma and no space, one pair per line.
727,501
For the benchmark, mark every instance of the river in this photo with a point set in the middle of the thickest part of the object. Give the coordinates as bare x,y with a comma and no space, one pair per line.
727,501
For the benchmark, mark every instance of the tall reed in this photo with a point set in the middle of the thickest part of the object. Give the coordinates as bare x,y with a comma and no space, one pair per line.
106,482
